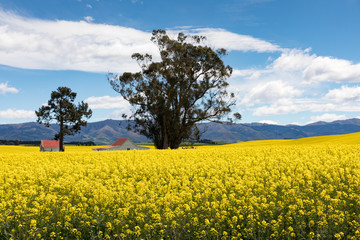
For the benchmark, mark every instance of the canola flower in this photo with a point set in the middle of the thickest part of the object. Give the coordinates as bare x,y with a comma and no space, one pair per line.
274,191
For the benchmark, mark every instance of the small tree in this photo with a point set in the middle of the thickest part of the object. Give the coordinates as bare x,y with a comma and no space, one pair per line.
187,86
61,109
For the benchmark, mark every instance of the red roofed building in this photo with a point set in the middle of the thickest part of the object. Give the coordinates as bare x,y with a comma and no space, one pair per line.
49,146
121,144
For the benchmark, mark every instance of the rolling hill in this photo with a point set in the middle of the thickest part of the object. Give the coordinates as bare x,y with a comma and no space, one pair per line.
108,131
350,138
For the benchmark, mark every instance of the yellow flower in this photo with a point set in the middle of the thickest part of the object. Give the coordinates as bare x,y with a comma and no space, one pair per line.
239,190
207,222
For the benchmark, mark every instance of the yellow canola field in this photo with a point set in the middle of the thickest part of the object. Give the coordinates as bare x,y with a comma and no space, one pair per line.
351,138
237,191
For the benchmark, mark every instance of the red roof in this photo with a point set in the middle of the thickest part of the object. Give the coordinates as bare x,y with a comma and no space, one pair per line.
120,142
50,143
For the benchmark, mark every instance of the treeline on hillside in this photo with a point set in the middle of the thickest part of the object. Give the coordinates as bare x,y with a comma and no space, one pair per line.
200,142
90,143
37,143
210,142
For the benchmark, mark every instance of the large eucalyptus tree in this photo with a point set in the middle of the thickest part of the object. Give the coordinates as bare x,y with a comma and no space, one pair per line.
170,96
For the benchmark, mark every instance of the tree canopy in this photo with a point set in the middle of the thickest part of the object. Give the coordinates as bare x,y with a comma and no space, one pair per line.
62,110
186,86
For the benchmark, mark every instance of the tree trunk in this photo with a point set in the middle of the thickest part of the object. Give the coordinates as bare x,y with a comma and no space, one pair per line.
61,137
175,145
176,140
164,135
165,144
165,138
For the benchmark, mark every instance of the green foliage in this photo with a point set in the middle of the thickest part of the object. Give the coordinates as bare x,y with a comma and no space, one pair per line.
62,110
187,86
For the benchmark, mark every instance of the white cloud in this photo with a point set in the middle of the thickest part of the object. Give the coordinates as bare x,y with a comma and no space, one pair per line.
344,94
310,68
17,114
270,92
107,102
327,117
276,109
118,114
89,19
89,6
268,122
248,73
4,88
220,38
328,69
289,65
290,106
277,88
292,60
348,107
66,45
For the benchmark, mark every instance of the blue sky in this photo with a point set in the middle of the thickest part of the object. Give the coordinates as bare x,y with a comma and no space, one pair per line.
294,62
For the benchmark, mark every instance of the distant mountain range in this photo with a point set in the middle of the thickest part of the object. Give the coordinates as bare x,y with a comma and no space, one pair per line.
108,131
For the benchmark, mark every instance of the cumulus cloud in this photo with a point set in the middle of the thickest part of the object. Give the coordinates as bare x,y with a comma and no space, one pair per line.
4,88
328,69
309,67
275,109
107,102
278,87
344,94
290,64
89,5
327,117
289,106
292,60
17,114
270,92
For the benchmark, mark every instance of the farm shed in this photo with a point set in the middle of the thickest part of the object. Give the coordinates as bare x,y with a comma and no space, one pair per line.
49,146
121,144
